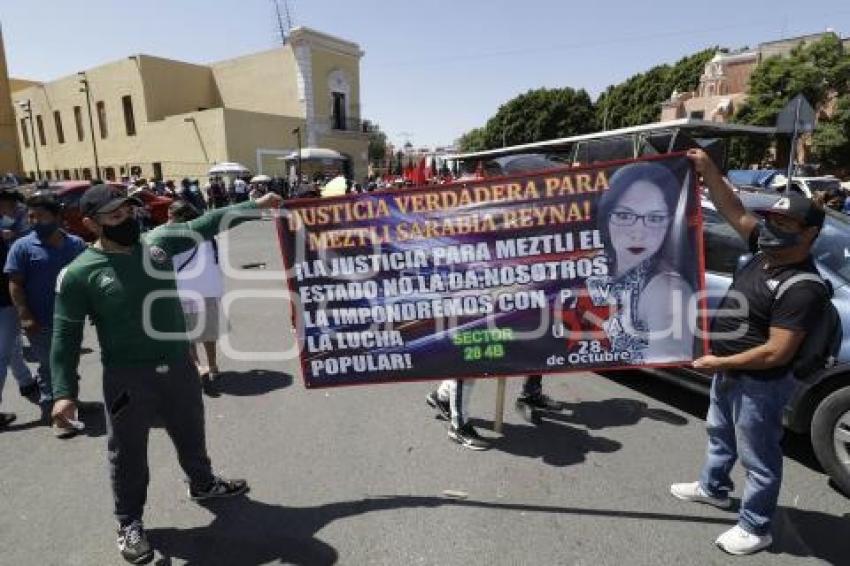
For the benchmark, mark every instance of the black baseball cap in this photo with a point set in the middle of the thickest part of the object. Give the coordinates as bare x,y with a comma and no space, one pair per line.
797,207
101,199
11,194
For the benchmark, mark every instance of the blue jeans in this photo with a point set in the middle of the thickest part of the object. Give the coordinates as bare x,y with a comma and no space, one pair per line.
40,346
745,419
11,350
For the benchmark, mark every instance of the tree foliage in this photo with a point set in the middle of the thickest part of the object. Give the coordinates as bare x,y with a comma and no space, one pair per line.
831,141
637,100
820,71
537,115
473,140
377,144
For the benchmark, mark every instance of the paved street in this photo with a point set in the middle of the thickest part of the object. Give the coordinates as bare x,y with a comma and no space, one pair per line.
357,475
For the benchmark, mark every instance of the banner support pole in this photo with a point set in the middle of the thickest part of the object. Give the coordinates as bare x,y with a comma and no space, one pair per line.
500,405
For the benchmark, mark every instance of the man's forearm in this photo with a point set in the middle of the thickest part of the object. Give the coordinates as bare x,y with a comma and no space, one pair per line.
218,220
65,357
722,194
758,358
19,299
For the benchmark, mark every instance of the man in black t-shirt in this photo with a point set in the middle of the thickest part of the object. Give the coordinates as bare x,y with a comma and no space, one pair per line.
755,336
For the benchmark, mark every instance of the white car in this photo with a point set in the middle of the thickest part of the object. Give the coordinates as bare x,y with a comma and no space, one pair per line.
807,186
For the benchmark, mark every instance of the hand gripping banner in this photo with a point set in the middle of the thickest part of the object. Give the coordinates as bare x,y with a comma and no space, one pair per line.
555,271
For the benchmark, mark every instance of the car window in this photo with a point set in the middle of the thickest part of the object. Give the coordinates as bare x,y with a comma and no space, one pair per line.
795,187
723,245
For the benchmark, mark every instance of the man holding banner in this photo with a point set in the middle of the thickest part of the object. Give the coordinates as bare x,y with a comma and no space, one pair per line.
760,326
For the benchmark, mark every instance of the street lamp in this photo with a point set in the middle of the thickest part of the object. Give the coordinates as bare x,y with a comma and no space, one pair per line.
191,120
297,132
84,81
26,106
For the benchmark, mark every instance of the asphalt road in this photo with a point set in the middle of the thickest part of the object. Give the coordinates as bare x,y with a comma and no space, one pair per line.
358,475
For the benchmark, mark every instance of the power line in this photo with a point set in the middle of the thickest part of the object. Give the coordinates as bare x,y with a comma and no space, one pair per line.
606,41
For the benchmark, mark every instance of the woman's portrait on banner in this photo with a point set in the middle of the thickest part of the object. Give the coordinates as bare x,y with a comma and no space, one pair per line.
643,219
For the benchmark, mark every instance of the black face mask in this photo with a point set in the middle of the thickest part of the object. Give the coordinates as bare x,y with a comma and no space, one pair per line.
124,234
772,238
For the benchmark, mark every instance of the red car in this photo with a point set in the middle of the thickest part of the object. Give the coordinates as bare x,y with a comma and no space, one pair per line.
68,193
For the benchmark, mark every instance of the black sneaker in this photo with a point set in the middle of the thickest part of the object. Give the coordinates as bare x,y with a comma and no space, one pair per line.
30,392
209,387
133,543
220,487
468,437
6,419
540,402
435,402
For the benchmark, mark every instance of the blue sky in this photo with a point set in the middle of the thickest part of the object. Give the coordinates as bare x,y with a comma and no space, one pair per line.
432,69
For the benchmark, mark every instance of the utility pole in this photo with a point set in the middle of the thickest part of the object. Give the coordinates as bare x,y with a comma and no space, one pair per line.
85,88
26,106
297,132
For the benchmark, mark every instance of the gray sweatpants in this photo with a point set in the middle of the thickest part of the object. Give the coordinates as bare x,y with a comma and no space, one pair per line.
132,398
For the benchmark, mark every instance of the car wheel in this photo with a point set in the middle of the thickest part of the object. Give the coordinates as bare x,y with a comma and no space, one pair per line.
831,437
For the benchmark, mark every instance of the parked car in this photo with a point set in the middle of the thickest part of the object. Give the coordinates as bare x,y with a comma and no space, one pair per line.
806,186
69,193
155,205
821,406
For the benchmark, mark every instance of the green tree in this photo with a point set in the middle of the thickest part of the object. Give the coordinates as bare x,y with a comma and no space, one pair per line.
473,140
820,71
637,100
377,144
537,115
831,140
541,114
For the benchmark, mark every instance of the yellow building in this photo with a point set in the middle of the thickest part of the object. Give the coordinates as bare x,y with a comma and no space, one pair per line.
10,155
168,119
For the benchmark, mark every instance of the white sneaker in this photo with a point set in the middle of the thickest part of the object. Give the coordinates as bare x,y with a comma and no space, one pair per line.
694,492
737,541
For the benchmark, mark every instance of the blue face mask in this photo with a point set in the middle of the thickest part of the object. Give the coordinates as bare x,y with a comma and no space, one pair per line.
772,238
6,222
45,229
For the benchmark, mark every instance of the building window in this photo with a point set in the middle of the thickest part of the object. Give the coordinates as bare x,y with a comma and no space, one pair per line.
101,119
87,174
25,132
129,119
157,171
39,125
60,133
76,174
48,175
66,174
338,117
78,121
109,173
697,114
31,175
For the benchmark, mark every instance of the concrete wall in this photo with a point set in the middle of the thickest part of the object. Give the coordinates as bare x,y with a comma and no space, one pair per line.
10,156
173,87
324,64
264,82
248,132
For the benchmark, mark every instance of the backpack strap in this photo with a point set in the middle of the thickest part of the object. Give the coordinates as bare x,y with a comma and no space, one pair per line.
788,283
188,260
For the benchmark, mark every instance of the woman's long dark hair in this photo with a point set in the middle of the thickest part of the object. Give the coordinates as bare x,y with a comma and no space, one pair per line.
674,197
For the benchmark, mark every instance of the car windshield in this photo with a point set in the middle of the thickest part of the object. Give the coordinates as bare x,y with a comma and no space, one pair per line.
832,248
824,184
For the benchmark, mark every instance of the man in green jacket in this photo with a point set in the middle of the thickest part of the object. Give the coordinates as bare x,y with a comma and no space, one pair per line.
125,284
